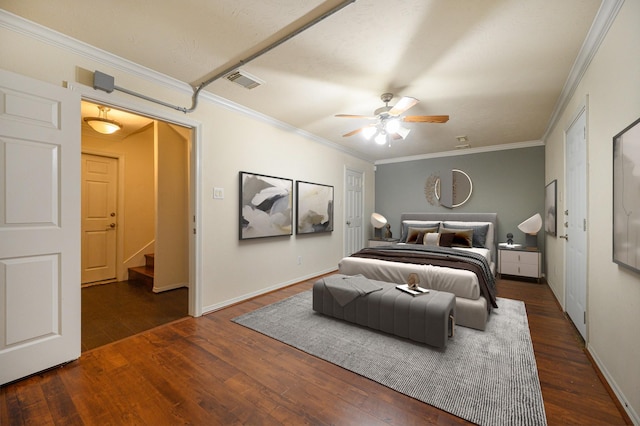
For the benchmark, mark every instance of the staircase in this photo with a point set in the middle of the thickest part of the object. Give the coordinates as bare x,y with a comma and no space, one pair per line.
143,274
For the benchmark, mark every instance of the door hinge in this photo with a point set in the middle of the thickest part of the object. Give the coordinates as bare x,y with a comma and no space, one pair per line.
584,225
584,317
194,231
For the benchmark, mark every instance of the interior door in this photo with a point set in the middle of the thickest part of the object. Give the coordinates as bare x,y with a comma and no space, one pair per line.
39,226
576,223
354,211
99,218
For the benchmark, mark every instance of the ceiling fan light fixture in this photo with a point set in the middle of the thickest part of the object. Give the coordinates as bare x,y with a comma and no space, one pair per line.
403,132
102,124
392,125
381,138
368,132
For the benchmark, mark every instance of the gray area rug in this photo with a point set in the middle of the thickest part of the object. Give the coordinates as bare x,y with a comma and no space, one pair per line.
489,377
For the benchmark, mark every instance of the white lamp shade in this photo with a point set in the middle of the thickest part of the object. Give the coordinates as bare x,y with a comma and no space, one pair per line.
377,220
403,132
381,138
368,132
532,225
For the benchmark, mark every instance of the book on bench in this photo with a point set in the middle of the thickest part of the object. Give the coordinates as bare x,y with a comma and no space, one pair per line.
406,289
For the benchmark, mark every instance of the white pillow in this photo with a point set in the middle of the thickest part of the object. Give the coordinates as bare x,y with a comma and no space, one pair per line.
431,239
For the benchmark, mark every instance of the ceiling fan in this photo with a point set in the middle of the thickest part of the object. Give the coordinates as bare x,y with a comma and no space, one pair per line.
387,124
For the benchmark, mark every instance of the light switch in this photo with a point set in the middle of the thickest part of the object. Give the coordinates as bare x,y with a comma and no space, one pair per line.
218,193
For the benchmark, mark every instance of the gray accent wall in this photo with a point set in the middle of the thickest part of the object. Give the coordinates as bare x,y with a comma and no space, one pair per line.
509,182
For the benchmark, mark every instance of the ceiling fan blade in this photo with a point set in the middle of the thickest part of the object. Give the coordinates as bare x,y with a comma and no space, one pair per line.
425,118
403,104
355,116
353,132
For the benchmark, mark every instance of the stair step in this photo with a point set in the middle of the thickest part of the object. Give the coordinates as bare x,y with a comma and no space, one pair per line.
143,274
149,259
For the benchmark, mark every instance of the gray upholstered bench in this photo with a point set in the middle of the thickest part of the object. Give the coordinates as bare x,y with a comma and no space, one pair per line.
427,318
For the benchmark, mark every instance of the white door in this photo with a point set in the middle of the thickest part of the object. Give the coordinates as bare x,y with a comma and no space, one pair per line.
99,218
576,219
354,211
39,226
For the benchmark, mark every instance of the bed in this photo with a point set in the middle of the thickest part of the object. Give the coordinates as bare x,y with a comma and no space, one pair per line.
463,263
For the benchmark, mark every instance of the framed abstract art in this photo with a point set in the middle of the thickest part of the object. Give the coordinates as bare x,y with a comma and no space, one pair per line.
265,206
626,197
314,208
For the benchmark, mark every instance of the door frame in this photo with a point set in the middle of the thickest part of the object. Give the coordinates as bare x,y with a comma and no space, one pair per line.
195,242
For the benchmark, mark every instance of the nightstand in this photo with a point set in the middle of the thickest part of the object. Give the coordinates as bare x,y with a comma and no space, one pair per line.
520,262
376,242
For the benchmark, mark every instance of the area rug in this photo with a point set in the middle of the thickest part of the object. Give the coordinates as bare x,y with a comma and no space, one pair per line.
486,377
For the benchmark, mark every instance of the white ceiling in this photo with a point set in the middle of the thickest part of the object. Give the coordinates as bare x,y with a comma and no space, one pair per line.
496,67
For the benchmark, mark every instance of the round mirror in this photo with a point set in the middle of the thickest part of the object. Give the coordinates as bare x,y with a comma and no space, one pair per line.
453,190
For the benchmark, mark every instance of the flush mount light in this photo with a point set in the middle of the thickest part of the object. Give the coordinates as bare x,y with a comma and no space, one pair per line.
102,124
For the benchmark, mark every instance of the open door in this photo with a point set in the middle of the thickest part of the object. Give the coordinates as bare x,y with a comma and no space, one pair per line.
39,226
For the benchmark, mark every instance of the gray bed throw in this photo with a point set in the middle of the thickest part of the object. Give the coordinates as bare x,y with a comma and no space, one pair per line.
346,288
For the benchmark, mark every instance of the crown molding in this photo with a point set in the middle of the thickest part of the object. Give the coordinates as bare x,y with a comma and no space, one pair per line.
468,151
601,23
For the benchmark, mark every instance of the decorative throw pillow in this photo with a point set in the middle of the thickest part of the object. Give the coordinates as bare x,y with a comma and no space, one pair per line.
431,239
480,231
461,237
406,224
446,239
416,235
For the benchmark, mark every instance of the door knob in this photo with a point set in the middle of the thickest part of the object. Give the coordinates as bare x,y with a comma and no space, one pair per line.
348,222
112,225
112,214
566,237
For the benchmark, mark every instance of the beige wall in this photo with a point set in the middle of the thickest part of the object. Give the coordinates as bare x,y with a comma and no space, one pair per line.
612,86
172,227
229,141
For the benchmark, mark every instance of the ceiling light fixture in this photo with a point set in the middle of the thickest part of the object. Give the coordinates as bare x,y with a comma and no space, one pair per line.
385,129
102,124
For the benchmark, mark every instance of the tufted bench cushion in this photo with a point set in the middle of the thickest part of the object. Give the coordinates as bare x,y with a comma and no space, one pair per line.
427,318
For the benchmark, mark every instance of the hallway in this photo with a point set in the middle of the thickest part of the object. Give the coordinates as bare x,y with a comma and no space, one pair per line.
114,311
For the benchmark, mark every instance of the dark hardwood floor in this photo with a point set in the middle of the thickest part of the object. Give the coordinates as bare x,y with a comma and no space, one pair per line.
209,371
111,312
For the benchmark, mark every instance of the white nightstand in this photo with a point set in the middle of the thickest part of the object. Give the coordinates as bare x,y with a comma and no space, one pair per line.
376,242
520,262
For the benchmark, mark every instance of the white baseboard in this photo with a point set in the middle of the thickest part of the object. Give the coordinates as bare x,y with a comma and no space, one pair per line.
218,306
612,383
169,287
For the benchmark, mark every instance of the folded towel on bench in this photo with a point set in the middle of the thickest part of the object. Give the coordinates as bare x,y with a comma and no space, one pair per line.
346,288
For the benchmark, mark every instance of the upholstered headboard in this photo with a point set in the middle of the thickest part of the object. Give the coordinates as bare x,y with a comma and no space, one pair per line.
461,217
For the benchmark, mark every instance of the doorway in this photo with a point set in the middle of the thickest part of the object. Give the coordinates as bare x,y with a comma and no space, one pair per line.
130,225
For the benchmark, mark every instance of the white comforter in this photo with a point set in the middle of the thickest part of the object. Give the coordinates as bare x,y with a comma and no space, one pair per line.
462,283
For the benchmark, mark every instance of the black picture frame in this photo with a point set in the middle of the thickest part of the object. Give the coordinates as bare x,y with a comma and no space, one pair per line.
551,208
314,208
626,203
265,206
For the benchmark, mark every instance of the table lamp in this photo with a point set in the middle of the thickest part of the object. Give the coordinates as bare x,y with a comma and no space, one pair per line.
531,227
378,221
